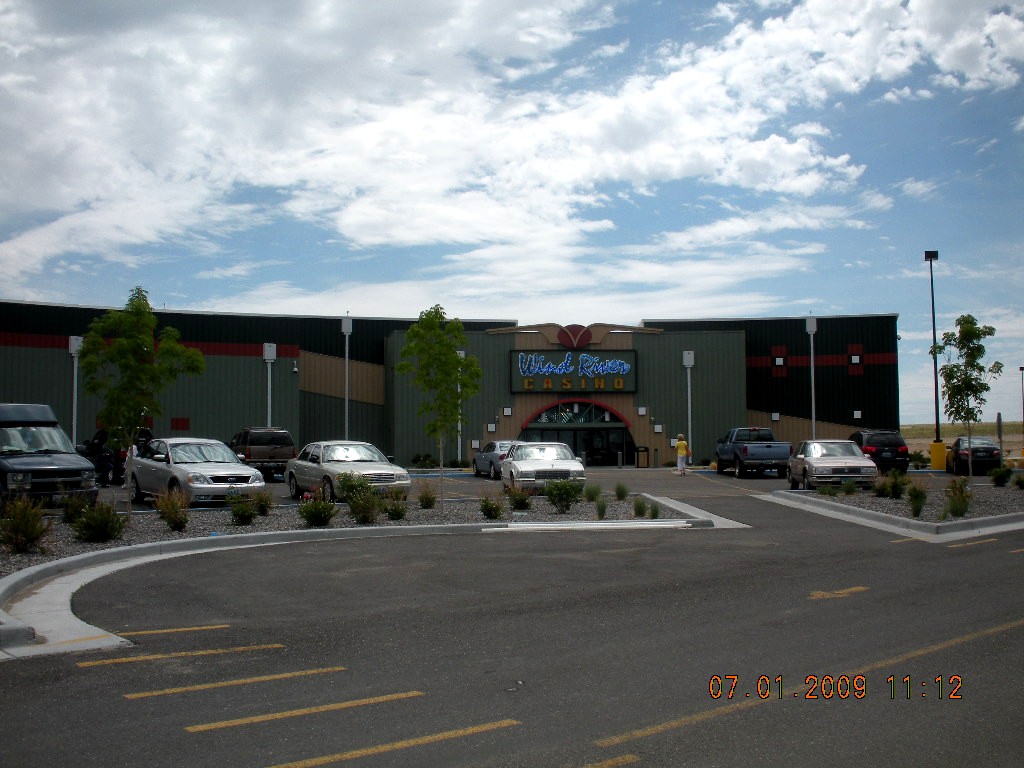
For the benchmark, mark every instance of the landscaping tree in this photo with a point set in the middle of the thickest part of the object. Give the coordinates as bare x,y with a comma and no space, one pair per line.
447,378
127,364
965,380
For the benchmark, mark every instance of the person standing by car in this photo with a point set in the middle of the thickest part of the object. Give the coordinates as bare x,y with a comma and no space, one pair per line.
683,453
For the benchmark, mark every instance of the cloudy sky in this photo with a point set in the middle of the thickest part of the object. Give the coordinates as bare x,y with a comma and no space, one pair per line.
568,161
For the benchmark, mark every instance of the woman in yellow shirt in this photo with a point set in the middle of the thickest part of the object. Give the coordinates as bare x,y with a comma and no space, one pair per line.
682,453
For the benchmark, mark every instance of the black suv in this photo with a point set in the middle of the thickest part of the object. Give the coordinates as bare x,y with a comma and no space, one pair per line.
268,449
885,447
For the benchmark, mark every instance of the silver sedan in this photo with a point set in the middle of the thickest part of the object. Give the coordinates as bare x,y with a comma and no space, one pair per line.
829,462
531,465
320,466
201,469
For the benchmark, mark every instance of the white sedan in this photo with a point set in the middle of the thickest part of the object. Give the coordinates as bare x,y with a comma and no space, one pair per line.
530,465
201,469
320,465
829,462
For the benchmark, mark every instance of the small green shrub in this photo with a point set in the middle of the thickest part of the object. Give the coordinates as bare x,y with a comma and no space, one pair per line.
394,507
917,496
592,492
882,488
424,461
621,491
243,510
492,507
849,487
519,499
173,510
639,506
316,510
73,505
364,505
828,490
918,460
958,497
897,484
601,506
22,526
1018,480
1000,476
349,484
654,512
426,494
99,523
562,494
263,501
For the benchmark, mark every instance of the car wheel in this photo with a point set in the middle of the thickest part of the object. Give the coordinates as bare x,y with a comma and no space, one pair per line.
495,472
737,467
720,467
476,469
293,487
793,483
137,496
328,489
808,485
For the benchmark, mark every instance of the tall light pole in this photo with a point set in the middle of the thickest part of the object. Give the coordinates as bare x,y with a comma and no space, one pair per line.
812,327
269,356
688,358
346,328
1022,410
938,450
74,348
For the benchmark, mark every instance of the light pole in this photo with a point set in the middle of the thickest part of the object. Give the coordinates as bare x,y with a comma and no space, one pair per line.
269,356
1022,410
938,450
688,365
812,327
346,328
74,348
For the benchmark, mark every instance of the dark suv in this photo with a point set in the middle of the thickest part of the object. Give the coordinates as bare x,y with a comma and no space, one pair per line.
885,447
268,449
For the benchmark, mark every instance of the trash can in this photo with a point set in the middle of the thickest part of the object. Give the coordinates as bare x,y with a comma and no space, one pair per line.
643,457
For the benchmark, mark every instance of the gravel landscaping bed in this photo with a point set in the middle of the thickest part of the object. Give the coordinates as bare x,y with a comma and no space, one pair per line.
146,527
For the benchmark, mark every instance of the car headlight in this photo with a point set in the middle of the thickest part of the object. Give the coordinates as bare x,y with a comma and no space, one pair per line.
197,478
527,473
824,470
256,479
19,480
577,473
88,478
401,477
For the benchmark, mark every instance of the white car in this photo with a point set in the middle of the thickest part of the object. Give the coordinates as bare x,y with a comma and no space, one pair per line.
829,462
530,465
199,468
319,465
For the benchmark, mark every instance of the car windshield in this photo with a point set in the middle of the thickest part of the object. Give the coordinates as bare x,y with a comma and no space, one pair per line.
193,453
829,450
543,452
353,453
978,442
34,440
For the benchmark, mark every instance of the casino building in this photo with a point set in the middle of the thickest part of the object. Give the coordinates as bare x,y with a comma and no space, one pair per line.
614,393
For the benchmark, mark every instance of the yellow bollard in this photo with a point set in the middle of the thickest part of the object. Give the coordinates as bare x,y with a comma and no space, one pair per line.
938,449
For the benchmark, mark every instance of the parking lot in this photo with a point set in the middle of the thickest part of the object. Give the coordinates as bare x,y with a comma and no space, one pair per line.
828,641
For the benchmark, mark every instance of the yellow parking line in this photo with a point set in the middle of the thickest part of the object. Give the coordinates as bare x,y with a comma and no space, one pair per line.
1016,551
303,712
179,655
172,630
729,709
419,741
228,683
839,593
970,543
615,761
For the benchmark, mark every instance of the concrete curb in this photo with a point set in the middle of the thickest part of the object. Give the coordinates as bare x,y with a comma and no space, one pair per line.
814,502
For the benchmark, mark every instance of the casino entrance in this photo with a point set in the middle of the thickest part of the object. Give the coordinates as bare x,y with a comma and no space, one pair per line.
595,433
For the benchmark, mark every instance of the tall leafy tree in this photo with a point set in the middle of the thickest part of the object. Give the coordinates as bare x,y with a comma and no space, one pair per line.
446,377
965,379
127,363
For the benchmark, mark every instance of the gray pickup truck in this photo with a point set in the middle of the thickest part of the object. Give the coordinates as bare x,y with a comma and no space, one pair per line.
751,449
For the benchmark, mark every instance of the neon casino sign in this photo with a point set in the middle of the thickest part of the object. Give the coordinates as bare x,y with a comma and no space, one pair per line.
574,372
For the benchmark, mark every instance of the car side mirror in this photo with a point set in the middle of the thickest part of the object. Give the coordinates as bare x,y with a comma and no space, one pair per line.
160,457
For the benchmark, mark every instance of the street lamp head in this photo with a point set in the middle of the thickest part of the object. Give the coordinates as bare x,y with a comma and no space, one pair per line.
931,255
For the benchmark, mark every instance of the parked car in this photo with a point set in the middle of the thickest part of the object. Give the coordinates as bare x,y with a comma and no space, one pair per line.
885,447
320,465
530,465
267,448
37,458
985,455
829,462
199,468
751,449
488,459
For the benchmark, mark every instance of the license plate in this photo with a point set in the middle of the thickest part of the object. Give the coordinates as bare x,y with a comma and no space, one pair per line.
233,491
